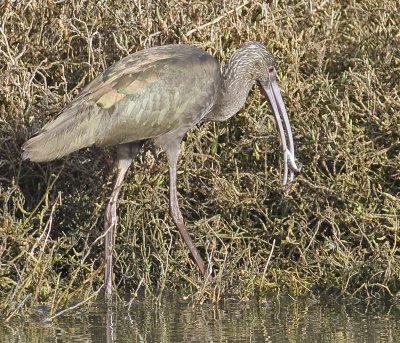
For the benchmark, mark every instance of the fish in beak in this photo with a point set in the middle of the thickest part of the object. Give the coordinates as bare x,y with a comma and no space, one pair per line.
274,97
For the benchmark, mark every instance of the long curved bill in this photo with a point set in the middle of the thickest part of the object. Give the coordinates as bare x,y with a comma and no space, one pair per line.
273,94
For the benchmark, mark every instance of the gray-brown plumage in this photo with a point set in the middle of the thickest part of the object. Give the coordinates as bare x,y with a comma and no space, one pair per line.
159,94
142,96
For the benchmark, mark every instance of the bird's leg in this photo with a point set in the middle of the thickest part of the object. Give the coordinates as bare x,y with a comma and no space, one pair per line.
172,155
125,156
111,224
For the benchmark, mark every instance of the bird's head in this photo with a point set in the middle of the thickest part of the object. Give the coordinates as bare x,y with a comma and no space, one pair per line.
261,60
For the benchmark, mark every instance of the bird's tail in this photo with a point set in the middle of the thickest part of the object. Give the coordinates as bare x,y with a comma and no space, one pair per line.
72,130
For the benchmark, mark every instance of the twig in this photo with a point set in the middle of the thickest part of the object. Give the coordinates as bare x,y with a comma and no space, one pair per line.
269,259
216,20
73,307
18,307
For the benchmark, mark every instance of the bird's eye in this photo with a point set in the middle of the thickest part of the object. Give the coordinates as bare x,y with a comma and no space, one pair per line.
271,69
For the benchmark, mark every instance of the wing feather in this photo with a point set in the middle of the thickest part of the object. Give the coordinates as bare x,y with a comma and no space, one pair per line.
142,96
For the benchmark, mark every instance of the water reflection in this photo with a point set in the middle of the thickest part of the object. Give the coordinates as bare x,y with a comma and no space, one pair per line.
176,320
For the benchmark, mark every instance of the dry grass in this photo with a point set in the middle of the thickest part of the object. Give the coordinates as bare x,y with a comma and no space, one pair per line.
335,231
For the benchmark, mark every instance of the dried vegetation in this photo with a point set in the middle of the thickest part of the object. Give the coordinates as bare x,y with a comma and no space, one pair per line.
334,231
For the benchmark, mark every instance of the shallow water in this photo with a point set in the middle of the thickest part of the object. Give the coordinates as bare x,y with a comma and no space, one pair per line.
176,320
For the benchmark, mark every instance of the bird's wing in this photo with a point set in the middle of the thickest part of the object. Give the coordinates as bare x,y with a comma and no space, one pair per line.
142,96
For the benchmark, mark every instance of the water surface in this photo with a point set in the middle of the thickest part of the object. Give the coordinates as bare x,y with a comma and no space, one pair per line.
177,320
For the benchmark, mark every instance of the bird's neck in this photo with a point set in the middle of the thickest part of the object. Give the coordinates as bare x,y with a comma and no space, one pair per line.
237,80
